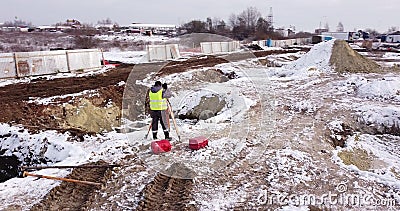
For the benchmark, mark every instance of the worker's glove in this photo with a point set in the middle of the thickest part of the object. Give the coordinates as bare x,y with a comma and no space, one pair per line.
164,86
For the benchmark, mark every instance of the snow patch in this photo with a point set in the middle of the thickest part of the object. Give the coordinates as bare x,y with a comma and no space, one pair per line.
387,88
381,116
316,59
128,57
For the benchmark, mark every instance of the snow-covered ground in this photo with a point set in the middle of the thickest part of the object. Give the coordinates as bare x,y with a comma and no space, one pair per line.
268,147
128,57
133,38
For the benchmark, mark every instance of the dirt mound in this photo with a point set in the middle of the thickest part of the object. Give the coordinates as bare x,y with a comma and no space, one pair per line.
210,76
208,107
73,196
91,118
357,157
196,62
345,59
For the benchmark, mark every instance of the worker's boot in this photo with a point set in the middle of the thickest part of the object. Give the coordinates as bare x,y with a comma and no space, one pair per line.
155,136
166,134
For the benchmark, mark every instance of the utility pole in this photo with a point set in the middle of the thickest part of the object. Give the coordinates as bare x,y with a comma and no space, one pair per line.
270,19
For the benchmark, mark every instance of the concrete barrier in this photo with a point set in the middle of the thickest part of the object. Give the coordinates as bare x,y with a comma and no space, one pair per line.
40,63
23,64
7,65
283,43
219,47
82,60
162,52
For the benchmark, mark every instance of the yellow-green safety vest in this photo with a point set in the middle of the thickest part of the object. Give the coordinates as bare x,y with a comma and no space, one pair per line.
157,103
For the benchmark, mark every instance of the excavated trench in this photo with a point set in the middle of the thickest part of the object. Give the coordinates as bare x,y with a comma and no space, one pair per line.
75,196
8,167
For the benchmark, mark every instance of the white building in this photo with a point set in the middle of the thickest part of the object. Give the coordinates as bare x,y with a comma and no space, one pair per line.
394,37
154,28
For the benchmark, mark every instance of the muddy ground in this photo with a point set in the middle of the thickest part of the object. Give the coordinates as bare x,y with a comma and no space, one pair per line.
164,192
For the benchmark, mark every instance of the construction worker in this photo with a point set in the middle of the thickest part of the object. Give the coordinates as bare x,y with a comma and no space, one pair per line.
158,95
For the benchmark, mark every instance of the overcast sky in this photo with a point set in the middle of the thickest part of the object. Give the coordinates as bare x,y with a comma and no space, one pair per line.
305,15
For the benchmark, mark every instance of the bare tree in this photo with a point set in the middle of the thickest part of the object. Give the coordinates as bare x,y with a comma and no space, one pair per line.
263,28
195,26
250,16
372,32
392,29
210,24
17,22
107,21
340,27
233,20
327,26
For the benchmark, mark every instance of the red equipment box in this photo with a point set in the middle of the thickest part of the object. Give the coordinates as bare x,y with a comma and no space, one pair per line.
198,142
160,146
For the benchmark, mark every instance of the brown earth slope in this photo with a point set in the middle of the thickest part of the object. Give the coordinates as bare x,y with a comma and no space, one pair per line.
17,111
345,59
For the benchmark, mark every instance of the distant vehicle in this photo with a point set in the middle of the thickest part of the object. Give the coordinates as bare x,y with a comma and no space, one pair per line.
337,35
394,37
320,38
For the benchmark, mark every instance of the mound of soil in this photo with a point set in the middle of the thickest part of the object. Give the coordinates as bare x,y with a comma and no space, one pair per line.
345,59
208,107
90,118
357,157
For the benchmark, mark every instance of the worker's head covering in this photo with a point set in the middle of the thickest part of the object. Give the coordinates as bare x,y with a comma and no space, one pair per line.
157,83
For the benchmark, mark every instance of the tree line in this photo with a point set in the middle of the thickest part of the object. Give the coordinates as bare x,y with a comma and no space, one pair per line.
249,24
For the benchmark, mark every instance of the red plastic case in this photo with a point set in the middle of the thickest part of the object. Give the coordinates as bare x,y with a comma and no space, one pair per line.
198,143
160,146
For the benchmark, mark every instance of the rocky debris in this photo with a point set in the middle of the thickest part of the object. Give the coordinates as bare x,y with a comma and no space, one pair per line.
211,61
339,131
255,47
378,128
208,107
210,76
379,120
345,59
29,155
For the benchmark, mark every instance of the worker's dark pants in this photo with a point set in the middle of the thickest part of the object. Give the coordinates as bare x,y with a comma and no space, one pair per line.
157,116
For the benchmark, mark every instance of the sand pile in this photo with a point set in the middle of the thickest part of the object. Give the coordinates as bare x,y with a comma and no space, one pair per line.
334,55
345,59
90,118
